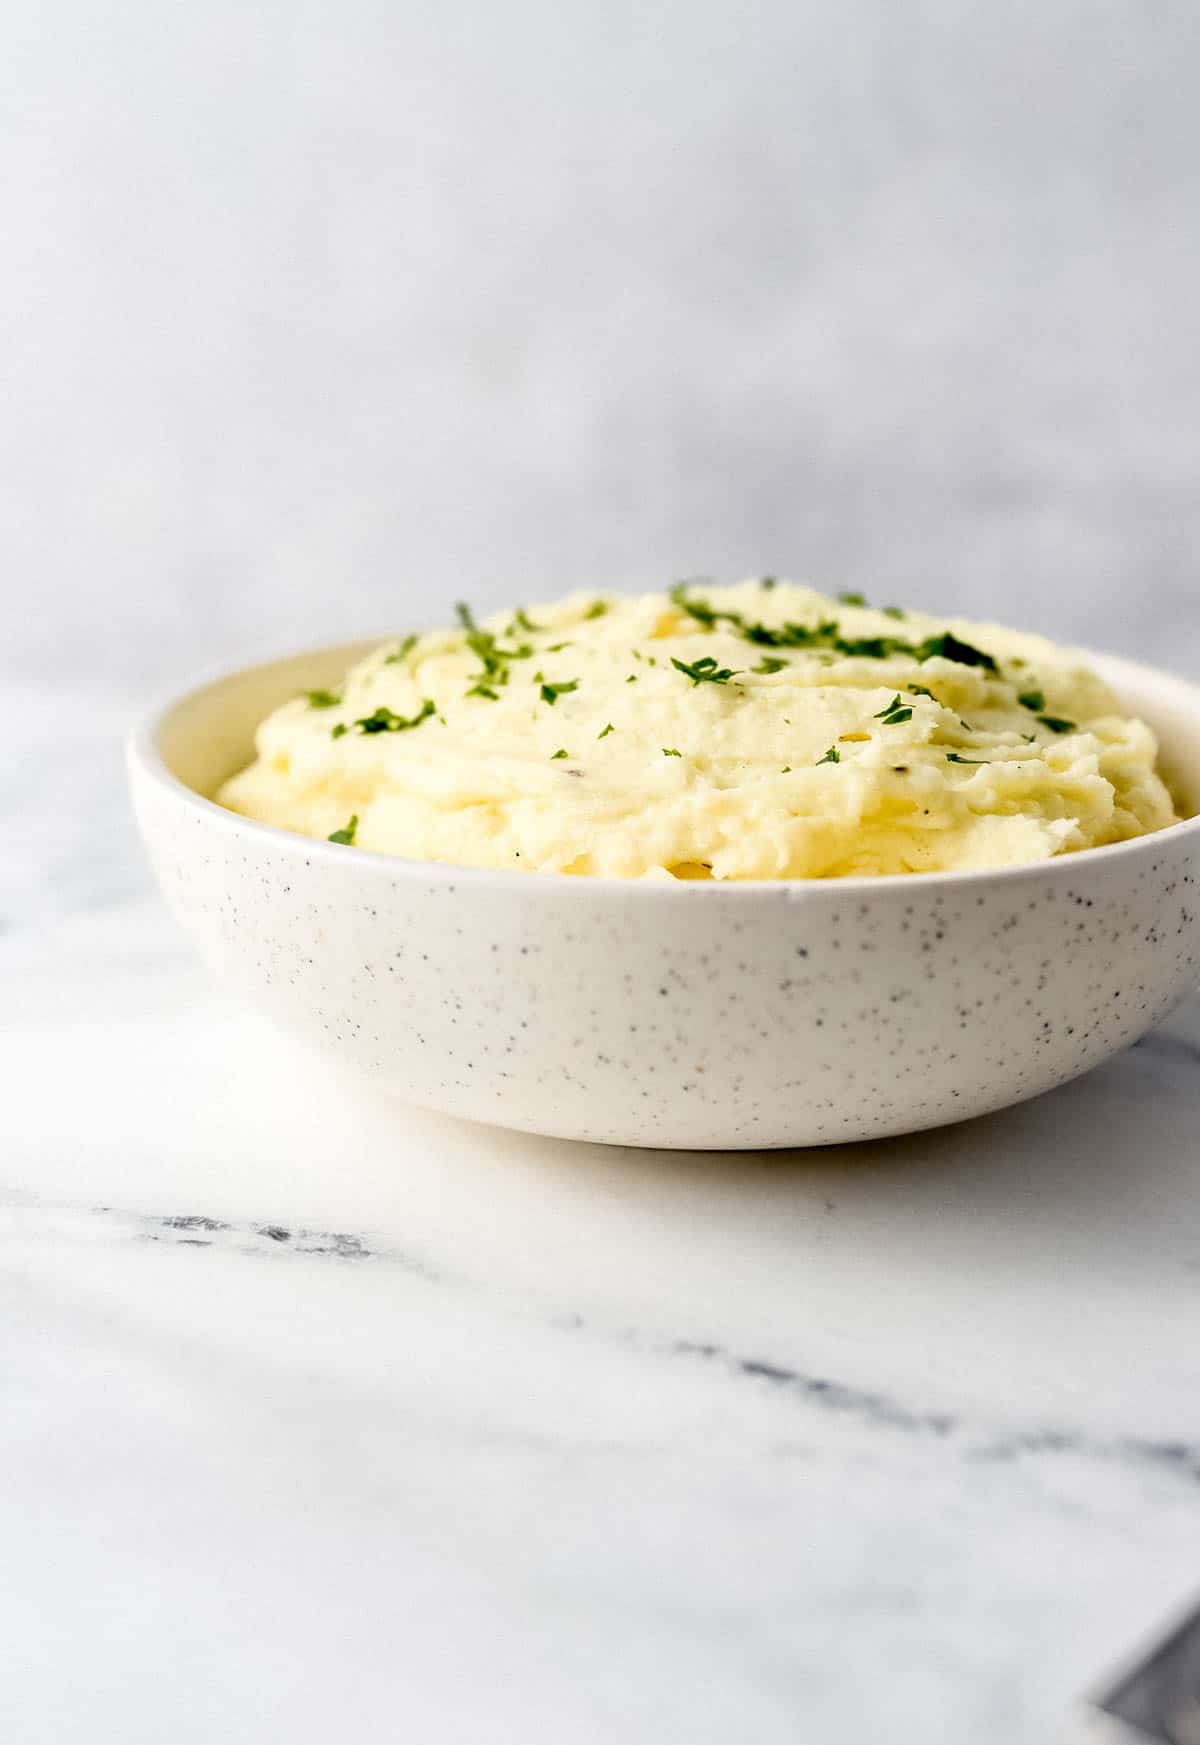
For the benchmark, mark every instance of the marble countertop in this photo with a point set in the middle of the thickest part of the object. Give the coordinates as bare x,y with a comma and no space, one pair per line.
328,1419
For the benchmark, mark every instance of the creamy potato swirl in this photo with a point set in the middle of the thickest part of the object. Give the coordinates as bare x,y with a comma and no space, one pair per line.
756,731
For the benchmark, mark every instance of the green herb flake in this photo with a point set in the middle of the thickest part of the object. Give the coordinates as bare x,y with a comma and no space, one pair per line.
1034,700
827,636
551,693
894,612
597,609
561,752
382,720
769,665
405,649
346,834
949,647
1057,724
956,757
605,731
833,755
557,647
920,691
493,658
520,620
632,679
895,713
697,609
706,669
322,699
786,770
339,730
768,582
853,599
669,751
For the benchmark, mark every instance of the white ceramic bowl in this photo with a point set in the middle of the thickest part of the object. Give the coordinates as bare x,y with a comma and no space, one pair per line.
697,1015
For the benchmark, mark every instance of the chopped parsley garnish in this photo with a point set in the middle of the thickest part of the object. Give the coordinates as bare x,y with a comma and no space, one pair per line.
694,608
1034,700
822,635
382,720
557,647
767,582
405,648
551,693
346,833
827,635
700,610
868,647
853,599
956,757
493,659
706,668
561,752
894,612
669,751
951,648
920,691
597,609
1057,724
521,621
338,731
322,699
632,679
833,755
895,713
605,731
769,664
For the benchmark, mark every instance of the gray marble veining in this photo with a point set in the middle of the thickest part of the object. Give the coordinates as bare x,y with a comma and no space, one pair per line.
320,1410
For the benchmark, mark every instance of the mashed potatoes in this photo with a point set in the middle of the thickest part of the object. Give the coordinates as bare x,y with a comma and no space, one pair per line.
753,732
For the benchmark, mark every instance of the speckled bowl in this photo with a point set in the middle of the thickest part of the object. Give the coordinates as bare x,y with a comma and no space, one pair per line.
697,1015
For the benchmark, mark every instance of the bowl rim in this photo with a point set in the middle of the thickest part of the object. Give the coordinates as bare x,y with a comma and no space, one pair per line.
145,759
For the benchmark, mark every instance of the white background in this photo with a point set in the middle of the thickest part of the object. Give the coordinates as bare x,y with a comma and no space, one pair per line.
316,317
